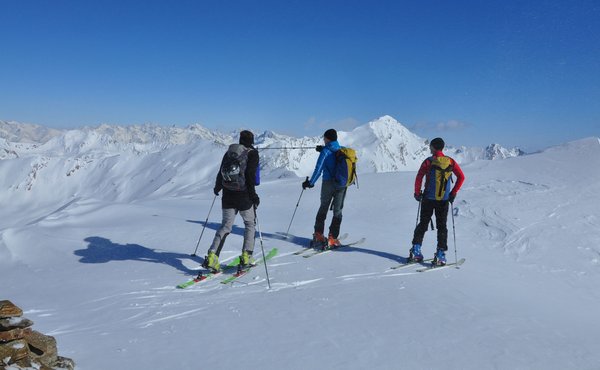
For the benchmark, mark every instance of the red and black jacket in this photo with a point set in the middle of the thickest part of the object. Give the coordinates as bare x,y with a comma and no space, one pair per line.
428,172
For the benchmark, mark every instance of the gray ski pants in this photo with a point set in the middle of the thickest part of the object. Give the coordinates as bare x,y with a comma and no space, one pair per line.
227,225
330,197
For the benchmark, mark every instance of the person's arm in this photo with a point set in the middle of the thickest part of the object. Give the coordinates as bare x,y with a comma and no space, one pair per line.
219,180
419,179
250,174
460,179
319,166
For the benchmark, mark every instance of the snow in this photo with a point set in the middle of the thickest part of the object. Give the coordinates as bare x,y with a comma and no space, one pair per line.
14,321
93,258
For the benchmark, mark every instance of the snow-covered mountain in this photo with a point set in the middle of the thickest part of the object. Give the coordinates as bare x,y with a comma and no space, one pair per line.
26,132
384,145
122,162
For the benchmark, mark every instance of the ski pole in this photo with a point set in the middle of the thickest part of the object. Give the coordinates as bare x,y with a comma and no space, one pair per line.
419,211
289,147
454,232
262,248
287,233
204,227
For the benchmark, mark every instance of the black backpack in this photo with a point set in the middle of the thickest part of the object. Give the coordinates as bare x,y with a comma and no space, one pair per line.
233,167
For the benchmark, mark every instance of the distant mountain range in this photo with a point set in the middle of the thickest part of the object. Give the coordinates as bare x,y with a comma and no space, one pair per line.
383,145
124,163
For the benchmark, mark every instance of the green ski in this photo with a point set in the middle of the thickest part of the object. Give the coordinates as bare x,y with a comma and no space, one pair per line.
238,274
209,275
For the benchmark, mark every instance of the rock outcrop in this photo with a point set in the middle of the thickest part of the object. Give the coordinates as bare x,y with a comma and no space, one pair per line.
22,347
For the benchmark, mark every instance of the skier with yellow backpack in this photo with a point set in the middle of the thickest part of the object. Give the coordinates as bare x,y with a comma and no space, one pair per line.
338,166
438,193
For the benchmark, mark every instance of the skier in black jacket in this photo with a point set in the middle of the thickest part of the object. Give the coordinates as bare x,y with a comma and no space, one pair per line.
237,178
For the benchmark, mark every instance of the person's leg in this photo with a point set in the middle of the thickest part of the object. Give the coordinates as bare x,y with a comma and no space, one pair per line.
339,196
327,190
441,218
249,229
224,230
426,213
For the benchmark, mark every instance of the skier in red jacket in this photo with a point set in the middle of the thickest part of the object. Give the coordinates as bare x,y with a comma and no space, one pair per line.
436,196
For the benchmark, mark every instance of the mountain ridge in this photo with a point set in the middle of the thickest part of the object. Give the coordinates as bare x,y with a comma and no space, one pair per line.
123,163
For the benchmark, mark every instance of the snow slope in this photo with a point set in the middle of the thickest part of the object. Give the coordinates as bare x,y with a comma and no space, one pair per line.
98,270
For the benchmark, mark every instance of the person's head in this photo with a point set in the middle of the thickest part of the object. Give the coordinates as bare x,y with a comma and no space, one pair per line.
436,145
330,135
246,138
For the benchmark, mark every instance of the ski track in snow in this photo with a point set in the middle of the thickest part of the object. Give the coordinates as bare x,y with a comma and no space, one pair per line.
60,209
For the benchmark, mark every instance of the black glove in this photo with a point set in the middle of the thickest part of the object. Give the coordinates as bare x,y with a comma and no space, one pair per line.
256,201
419,197
319,148
452,197
307,184
216,191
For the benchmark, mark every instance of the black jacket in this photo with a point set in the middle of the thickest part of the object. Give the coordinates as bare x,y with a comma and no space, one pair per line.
240,200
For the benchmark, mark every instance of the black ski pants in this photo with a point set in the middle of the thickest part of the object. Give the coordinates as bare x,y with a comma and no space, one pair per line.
428,207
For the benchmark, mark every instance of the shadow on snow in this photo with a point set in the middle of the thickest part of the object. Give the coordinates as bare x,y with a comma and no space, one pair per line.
102,250
302,241
353,248
280,236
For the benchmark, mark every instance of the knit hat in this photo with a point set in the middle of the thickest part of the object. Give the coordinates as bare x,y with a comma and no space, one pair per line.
438,143
246,138
330,134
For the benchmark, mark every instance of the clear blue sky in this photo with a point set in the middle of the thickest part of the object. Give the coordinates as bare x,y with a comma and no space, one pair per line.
475,72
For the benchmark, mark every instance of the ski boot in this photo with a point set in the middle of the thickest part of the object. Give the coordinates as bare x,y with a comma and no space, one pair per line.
439,259
318,241
415,253
211,262
332,242
246,261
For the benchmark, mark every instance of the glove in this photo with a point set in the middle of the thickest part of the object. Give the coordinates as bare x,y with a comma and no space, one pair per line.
216,191
319,148
256,201
307,184
452,197
418,197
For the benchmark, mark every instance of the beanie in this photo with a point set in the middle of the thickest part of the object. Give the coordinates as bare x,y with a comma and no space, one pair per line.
330,134
437,143
246,138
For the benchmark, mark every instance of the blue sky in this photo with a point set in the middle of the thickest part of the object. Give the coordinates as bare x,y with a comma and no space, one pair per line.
475,72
